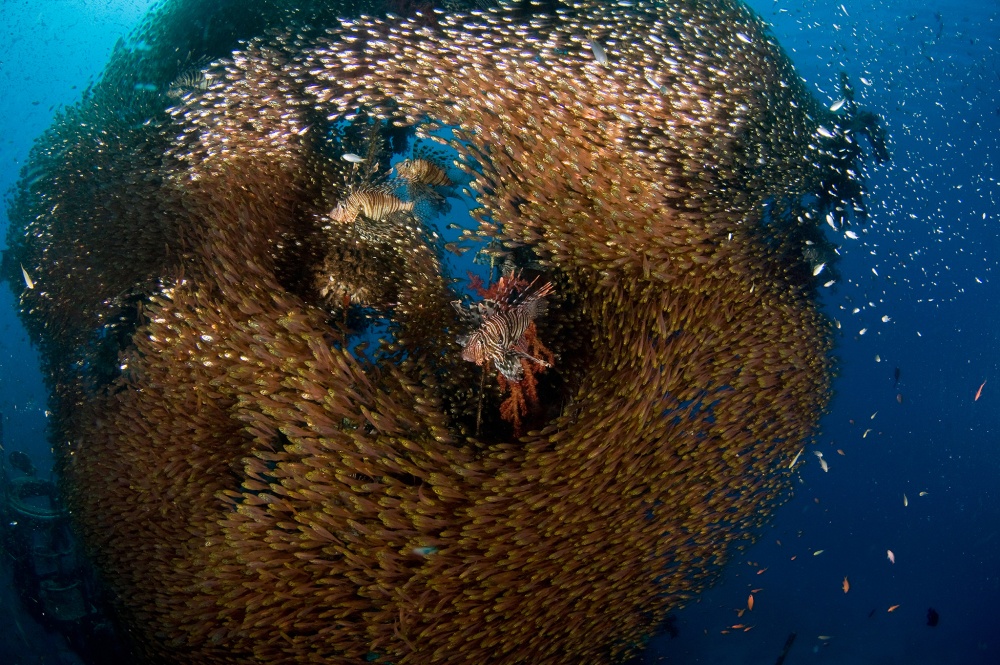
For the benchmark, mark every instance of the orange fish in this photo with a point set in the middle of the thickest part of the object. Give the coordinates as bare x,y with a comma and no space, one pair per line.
739,613
979,392
756,590
737,626
761,571
893,608
750,603
846,585
890,556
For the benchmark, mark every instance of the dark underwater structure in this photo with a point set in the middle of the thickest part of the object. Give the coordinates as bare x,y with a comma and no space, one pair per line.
268,437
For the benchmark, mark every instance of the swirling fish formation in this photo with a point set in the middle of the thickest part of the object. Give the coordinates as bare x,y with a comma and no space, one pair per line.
254,487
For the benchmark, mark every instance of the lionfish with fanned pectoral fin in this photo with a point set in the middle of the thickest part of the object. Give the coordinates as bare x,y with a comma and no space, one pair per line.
505,334
503,319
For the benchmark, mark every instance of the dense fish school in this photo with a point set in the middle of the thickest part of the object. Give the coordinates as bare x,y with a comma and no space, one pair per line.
267,430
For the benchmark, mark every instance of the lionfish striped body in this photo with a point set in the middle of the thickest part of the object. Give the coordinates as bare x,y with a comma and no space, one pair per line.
423,172
502,323
191,80
374,204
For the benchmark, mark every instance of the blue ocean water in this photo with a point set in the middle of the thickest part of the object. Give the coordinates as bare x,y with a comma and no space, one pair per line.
913,458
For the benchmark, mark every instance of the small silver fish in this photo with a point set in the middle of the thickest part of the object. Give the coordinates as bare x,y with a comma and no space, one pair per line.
818,269
27,278
599,53
796,458
837,105
352,158
662,89
824,132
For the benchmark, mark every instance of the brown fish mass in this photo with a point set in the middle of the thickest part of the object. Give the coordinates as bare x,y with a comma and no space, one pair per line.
267,433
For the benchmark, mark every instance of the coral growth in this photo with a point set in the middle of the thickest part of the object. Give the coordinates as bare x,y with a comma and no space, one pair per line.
523,399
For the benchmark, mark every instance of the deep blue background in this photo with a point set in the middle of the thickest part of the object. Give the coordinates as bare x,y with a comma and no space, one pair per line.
926,261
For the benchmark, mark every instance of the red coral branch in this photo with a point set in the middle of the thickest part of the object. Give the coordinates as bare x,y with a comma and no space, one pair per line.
523,400
476,284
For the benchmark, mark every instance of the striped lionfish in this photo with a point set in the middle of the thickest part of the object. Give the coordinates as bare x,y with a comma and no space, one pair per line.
375,204
194,79
427,183
423,172
501,321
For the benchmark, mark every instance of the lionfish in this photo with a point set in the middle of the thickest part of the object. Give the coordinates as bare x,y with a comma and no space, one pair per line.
193,79
375,204
423,172
501,321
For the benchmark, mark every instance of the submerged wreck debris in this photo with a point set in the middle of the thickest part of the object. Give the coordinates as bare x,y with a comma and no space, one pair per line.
256,489
788,647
